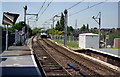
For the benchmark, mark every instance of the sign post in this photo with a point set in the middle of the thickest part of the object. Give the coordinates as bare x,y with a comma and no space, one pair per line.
7,37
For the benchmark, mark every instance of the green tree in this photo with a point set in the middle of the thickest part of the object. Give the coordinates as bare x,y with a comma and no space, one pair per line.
17,26
103,35
69,29
113,29
95,31
83,28
4,28
87,26
114,35
61,33
56,32
60,24
49,31
36,31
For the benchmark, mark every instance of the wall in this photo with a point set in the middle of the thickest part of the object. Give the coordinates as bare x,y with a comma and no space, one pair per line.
99,56
0,39
81,41
11,39
88,41
106,58
92,41
117,42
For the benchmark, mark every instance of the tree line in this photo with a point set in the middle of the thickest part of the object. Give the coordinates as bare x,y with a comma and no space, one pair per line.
59,28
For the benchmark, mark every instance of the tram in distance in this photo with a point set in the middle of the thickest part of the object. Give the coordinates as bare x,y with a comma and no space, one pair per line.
43,33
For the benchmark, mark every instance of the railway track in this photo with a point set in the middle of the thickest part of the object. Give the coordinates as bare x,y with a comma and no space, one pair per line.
49,66
87,63
64,57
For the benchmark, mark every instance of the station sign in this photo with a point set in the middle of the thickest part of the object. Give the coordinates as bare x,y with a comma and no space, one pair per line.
21,32
9,18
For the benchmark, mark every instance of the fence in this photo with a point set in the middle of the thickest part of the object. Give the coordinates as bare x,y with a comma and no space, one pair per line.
69,38
72,39
11,39
20,38
107,44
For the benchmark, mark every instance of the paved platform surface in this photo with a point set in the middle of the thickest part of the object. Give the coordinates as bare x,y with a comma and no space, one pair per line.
112,51
18,61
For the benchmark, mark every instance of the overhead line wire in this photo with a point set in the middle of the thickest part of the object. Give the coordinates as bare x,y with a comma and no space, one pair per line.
87,8
70,7
75,5
41,6
82,9
45,9
47,6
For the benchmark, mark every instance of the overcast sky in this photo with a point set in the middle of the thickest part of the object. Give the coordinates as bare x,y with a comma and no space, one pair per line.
109,12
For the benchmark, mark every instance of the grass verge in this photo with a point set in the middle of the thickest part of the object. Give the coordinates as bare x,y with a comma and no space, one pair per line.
71,44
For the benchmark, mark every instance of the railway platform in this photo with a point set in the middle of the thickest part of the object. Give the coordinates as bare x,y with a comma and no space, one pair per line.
18,61
107,59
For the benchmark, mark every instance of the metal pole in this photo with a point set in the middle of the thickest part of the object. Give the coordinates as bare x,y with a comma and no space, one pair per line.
24,15
7,38
23,29
69,38
25,8
105,43
28,30
99,27
1,41
15,37
65,35
76,24
53,28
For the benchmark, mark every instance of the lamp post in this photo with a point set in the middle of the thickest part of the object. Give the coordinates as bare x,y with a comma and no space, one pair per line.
99,22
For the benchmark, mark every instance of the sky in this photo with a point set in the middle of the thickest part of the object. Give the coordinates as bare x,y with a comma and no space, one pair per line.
109,12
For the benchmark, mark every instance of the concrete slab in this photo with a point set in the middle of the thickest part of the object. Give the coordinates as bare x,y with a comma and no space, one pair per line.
103,52
112,51
18,61
18,48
